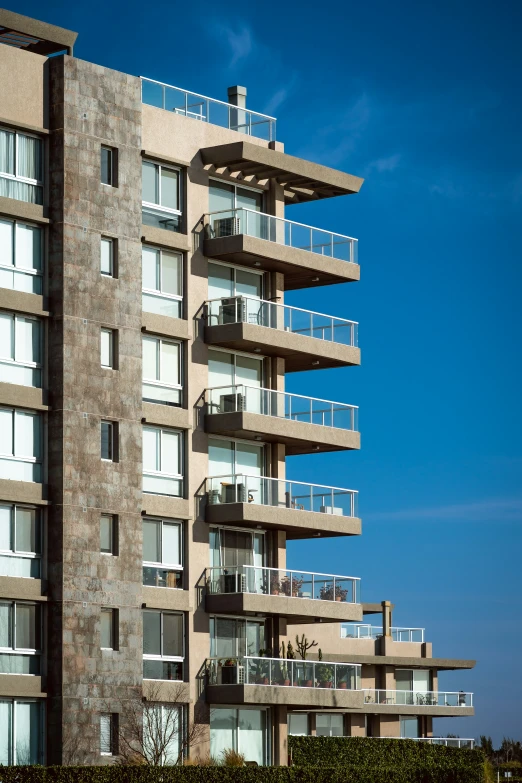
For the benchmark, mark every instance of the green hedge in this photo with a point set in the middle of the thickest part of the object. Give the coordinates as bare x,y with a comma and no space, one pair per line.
339,774
371,755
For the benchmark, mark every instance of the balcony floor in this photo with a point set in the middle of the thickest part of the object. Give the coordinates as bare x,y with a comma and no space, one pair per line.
322,698
297,610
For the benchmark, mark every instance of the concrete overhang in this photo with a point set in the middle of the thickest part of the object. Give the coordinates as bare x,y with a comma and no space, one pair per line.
32,35
297,610
299,351
165,598
22,588
22,685
417,710
301,268
296,524
289,696
166,691
402,660
297,436
302,180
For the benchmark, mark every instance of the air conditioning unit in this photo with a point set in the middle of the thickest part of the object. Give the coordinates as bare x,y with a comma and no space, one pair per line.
331,510
230,403
232,311
234,493
227,227
240,675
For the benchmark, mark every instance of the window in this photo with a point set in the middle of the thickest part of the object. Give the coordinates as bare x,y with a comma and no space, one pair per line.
232,638
162,553
108,534
238,469
237,210
20,445
298,724
108,253
412,685
108,348
108,166
109,622
21,256
109,441
226,287
20,638
167,721
21,166
161,196
328,725
163,645
162,371
162,287
232,552
109,734
409,727
20,541
245,730
162,461
20,350
22,732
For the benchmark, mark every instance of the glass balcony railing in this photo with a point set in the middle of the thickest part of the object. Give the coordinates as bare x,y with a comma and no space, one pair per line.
282,493
419,698
283,671
249,310
294,407
363,631
283,582
199,107
449,742
226,223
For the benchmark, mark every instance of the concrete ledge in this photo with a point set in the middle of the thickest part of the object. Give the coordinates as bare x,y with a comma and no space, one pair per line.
165,159
163,325
165,506
22,685
166,691
300,267
166,598
23,210
298,437
21,302
20,587
296,610
167,416
23,492
284,695
173,240
22,396
400,660
299,351
297,524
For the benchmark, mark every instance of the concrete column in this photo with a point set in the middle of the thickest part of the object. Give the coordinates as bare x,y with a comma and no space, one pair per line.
238,119
357,724
280,735
386,617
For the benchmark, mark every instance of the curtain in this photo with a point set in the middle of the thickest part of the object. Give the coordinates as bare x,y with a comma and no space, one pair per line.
28,247
150,358
22,191
170,273
150,268
7,147
6,722
252,735
6,639
171,544
29,157
28,435
28,340
27,530
223,734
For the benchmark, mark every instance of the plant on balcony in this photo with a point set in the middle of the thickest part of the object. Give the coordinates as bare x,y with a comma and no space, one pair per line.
263,668
284,680
291,586
303,645
328,593
324,672
275,584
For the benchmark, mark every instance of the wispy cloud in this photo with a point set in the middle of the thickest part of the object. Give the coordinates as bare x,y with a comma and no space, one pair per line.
240,41
333,142
496,509
383,164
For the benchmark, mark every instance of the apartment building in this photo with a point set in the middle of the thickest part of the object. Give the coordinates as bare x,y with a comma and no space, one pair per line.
145,251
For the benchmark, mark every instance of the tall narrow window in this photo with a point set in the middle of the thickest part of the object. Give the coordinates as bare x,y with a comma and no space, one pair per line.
108,166
21,260
21,166
108,534
108,734
20,445
20,349
161,196
108,348
161,371
162,285
20,541
109,441
109,629
108,256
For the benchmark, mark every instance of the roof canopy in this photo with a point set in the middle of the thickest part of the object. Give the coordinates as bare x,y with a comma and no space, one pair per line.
22,32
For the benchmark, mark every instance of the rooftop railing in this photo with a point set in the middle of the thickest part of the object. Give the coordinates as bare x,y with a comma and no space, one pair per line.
281,493
204,109
262,580
419,698
283,671
230,222
240,397
249,310
363,631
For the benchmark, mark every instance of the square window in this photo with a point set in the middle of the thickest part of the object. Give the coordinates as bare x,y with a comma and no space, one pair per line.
108,348
108,168
109,629
109,441
108,534
108,256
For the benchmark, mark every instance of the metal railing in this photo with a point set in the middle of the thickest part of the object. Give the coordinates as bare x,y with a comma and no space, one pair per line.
249,310
239,397
204,109
283,671
449,742
363,631
282,493
283,582
229,222
419,698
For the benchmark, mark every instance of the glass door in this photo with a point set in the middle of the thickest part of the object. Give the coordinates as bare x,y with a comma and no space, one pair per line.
226,371
227,284
236,637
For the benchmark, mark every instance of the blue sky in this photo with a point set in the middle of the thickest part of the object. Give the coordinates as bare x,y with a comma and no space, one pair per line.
423,100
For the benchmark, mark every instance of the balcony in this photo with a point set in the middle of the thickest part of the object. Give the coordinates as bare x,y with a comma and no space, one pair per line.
301,596
305,425
436,703
307,256
203,109
373,632
301,510
303,338
252,680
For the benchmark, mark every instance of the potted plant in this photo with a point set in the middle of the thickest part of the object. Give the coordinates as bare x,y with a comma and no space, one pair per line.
275,585
262,670
329,593
297,585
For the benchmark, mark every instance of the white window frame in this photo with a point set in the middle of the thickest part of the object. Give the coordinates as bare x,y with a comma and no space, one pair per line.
12,360
112,347
236,618
235,186
168,658
178,567
15,458
111,721
111,242
115,646
21,270
159,456
114,535
18,553
268,727
235,267
112,166
329,715
158,292
17,177
113,428
159,383
14,649
41,728
158,208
